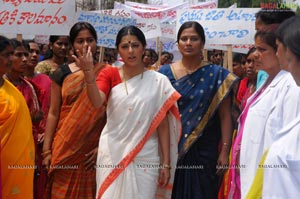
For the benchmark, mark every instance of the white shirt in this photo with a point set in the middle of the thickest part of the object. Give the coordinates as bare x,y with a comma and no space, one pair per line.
272,110
282,165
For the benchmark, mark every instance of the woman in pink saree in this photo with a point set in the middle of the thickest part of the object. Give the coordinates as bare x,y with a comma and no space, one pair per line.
138,145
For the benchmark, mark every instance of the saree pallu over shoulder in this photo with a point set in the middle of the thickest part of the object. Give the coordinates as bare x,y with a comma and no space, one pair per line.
17,144
77,134
32,94
131,126
79,122
202,91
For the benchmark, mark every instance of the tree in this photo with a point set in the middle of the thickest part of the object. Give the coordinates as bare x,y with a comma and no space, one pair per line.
245,3
257,3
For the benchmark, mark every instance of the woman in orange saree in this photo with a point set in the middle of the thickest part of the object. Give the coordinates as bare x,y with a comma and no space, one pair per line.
73,129
17,145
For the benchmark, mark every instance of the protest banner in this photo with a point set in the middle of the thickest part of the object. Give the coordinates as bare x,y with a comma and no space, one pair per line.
107,26
167,44
170,2
223,26
41,16
165,13
205,5
236,48
168,31
42,39
115,12
149,6
150,28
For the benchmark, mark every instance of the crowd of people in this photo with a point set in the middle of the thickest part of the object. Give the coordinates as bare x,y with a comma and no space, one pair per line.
140,125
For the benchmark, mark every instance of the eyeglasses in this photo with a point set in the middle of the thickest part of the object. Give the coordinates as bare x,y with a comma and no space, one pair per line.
21,54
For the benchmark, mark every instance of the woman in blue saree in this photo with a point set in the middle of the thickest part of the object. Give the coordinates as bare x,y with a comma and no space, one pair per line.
205,108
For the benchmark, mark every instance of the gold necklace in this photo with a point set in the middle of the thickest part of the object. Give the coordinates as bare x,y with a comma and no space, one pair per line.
190,71
124,80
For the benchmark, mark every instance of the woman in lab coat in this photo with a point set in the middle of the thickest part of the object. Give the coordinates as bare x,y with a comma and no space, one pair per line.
270,108
279,176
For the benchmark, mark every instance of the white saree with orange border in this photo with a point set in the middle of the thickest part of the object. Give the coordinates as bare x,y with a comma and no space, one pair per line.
128,154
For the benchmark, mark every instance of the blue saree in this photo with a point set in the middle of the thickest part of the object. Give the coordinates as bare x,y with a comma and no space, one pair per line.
202,92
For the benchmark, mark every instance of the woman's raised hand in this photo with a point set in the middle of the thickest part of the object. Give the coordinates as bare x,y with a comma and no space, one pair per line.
84,59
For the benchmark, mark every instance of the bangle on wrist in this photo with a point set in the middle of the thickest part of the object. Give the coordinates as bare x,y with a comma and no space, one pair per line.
91,82
165,166
87,70
225,144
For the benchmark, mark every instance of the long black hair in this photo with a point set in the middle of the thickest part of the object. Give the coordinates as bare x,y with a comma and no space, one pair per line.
292,35
79,26
274,16
192,24
52,39
4,42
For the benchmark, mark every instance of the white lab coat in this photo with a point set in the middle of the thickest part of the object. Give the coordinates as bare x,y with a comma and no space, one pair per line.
282,165
273,109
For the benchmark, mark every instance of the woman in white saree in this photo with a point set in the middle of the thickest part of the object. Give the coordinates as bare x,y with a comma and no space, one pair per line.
137,150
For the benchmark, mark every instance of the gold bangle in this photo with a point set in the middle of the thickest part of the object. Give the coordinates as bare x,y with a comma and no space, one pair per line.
165,166
90,83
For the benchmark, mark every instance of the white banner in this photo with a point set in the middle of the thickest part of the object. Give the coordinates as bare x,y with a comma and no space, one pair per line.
151,28
172,2
52,17
167,14
107,26
235,48
115,12
42,39
167,44
163,2
205,5
223,26
168,31
149,6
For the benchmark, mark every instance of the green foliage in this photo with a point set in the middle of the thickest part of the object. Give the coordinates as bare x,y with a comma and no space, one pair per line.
257,3
225,3
245,3
298,11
